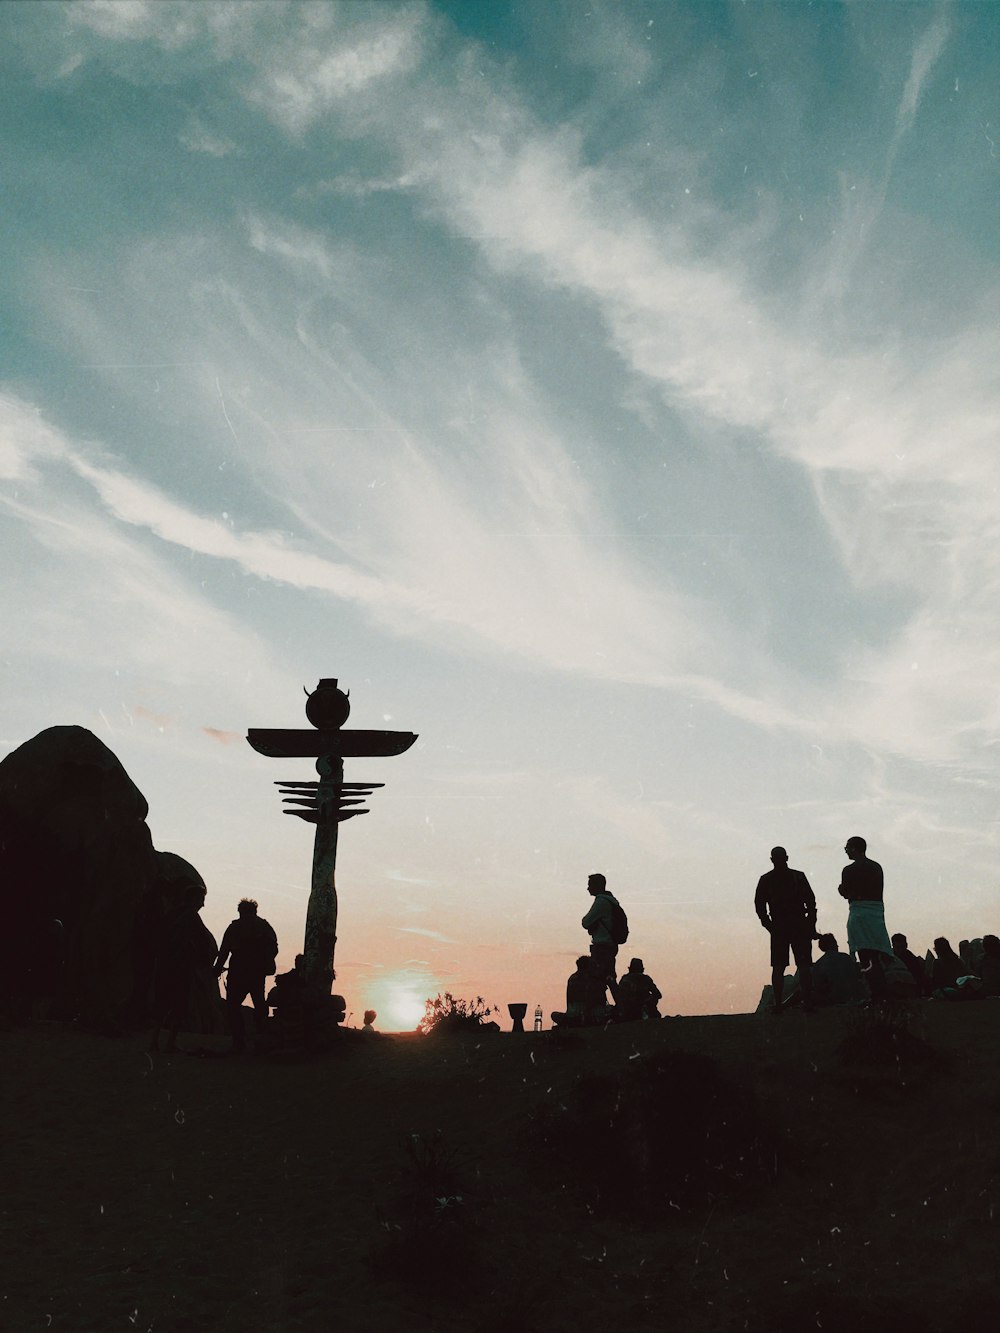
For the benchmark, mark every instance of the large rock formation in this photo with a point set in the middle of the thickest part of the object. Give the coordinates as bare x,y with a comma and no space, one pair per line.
75,848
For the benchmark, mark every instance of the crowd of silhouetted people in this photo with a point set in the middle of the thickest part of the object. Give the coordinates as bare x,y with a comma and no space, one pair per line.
874,969
877,968
594,993
185,969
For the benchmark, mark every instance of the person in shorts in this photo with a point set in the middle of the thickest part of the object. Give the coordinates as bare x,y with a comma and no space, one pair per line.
786,906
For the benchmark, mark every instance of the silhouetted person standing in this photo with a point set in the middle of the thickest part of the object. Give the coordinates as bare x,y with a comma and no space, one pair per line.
599,922
186,949
786,906
861,883
253,946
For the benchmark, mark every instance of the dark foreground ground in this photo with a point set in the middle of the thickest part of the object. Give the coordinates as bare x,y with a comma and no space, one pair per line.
179,1193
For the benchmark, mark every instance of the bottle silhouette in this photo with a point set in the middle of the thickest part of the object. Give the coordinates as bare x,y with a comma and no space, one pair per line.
538,1018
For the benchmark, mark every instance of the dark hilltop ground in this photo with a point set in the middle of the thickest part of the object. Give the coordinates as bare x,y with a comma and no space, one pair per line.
722,1173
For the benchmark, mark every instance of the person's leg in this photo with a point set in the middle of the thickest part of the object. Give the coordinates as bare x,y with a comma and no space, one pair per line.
613,973
871,966
604,964
779,961
236,990
802,949
259,1005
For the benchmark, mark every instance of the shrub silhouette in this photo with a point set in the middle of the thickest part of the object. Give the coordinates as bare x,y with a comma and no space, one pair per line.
668,1134
448,1014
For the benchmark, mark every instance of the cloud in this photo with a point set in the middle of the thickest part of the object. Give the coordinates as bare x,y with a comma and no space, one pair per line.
338,58
430,934
224,737
25,439
893,441
81,591
925,56
197,138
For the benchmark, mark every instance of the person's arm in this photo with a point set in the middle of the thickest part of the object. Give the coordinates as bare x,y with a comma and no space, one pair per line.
225,949
760,904
593,915
809,900
844,889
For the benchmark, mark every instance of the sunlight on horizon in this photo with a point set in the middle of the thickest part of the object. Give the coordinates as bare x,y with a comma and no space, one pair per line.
399,1000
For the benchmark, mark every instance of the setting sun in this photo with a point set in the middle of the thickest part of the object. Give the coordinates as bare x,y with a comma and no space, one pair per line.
405,1008
399,998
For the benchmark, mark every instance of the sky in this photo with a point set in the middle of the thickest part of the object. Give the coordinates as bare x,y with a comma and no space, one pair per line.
606,392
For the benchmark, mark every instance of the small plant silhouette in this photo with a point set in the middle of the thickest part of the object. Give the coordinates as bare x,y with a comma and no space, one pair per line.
445,1013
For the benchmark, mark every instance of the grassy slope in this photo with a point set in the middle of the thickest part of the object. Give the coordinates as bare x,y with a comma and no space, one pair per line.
172,1193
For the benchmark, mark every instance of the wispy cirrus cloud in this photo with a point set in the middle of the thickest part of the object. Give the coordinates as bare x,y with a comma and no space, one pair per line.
894,442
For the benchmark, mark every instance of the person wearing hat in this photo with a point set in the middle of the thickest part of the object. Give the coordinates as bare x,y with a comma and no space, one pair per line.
638,994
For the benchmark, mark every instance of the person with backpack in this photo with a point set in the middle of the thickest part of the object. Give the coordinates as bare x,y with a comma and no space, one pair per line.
607,925
251,946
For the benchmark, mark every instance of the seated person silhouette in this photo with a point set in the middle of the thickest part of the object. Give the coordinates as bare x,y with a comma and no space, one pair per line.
971,954
586,997
836,976
915,965
947,966
989,968
294,1005
638,994
369,1023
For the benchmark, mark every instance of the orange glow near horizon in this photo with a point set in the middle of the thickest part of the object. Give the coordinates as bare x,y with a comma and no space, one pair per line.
399,999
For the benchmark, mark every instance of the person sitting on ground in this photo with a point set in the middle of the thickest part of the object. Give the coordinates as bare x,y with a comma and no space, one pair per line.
916,966
638,994
836,976
989,968
899,980
369,1023
586,997
971,954
965,988
293,1004
947,966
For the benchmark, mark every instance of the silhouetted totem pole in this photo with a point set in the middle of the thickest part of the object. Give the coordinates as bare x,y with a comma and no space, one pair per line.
326,803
